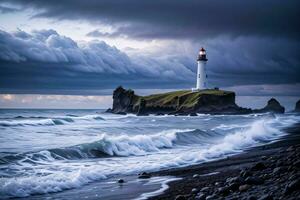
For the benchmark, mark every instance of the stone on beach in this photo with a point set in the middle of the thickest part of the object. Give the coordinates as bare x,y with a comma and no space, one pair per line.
245,187
121,181
195,175
144,175
254,181
258,166
180,197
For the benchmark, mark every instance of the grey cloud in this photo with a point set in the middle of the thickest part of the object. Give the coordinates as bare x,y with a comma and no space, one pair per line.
179,19
47,62
49,47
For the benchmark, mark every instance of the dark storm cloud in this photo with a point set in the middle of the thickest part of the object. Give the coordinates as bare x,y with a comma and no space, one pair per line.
250,60
248,43
46,62
179,19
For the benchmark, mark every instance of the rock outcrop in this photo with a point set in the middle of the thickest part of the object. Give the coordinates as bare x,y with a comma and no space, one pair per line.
272,106
123,101
297,107
184,102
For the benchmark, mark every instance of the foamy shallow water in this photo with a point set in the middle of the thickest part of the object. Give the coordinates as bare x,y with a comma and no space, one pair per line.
44,151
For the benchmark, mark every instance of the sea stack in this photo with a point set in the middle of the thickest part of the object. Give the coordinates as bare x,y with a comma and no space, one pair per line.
297,107
272,106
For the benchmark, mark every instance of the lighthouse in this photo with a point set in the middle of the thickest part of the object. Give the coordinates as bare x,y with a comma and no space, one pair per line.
201,71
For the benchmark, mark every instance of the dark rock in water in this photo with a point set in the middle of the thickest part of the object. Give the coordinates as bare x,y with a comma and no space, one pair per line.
109,110
121,113
121,181
266,197
144,175
273,106
180,197
244,188
258,166
193,114
297,107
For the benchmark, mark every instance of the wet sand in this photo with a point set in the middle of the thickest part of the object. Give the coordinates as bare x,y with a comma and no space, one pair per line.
132,188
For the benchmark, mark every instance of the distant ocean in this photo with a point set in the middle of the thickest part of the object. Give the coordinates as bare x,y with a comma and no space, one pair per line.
45,151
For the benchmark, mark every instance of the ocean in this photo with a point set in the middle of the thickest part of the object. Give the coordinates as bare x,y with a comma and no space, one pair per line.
50,151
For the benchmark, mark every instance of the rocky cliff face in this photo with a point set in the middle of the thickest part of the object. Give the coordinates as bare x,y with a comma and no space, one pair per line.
178,103
123,101
185,102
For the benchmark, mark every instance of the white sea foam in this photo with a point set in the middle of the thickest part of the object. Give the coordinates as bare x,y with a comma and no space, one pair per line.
26,186
123,145
144,152
164,186
88,117
48,122
259,131
32,122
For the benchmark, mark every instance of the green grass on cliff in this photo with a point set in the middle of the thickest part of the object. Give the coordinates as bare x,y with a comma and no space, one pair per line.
171,98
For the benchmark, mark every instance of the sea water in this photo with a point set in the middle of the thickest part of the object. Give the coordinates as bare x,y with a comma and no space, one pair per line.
47,151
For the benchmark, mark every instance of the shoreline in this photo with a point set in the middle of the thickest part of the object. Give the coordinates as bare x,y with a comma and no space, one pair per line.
211,175
223,179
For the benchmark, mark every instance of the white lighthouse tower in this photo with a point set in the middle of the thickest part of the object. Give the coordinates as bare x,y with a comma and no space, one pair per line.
201,71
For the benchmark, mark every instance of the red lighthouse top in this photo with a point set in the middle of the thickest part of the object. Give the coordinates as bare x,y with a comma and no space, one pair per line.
202,55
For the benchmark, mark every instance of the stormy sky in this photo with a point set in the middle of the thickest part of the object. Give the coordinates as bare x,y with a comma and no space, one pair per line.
90,47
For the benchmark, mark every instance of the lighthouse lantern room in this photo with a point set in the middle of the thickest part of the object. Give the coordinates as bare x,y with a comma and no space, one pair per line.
201,71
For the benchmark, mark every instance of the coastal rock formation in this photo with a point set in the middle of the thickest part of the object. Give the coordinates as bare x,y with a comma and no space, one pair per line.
272,106
123,101
297,107
184,102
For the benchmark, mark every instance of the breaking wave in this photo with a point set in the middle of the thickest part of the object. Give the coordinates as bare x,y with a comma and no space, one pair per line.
64,173
42,121
108,146
138,145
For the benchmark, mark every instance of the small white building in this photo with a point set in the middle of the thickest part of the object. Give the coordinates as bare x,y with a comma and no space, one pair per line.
201,71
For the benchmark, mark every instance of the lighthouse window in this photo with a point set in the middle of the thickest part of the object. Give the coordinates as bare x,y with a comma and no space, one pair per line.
199,75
